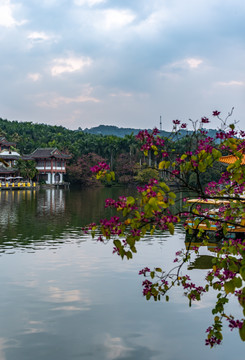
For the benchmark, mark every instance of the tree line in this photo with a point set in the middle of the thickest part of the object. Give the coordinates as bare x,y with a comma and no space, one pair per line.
122,153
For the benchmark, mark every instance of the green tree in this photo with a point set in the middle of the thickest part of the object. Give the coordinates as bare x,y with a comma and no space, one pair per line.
145,175
80,173
27,168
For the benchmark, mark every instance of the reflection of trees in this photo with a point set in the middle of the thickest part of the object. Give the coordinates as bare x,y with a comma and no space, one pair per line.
88,205
202,262
35,216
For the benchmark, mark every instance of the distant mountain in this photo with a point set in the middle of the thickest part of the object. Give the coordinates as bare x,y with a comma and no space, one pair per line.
116,131
106,130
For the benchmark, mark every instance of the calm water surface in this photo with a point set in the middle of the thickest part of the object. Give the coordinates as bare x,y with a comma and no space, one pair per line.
64,296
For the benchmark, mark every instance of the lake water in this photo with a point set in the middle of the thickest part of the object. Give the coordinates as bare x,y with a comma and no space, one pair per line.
64,296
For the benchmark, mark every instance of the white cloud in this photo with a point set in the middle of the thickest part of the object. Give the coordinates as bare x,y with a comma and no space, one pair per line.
55,101
121,94
88,2
116,19
69,65
38,36
189,63
152,23
231,83
34,76
194,63
173,70
6,15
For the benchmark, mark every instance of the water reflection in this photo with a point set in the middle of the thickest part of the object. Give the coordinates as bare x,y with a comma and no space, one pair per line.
202,262
52,202
64,296
115,347
34,219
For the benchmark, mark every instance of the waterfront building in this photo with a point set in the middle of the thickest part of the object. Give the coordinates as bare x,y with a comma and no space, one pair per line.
9,156
6,145
50,163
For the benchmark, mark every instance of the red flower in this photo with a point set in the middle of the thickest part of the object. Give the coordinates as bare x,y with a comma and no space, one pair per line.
204,120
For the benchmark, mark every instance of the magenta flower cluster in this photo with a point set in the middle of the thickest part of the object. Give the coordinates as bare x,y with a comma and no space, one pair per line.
149,140
147,287
206,145
101,166
111,226
144,271
233,324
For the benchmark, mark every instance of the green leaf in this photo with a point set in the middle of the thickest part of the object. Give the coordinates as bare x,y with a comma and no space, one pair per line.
233,267
161,165
201,167
131,241
183,157
171,228
216,153
153,203
130,200
118,244
242,272
133,249
172,195
113,175
164,186
125,211
229,286
108,177
242,331
148,296
237,282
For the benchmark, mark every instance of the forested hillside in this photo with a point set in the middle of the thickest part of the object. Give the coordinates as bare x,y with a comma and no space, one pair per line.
28,136
120,132
122,153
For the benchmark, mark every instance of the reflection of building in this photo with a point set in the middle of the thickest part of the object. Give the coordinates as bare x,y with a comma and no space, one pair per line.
51,164
51,202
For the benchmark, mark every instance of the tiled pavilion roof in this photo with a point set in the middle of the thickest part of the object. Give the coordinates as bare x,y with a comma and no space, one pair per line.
230,159
46,153
3,141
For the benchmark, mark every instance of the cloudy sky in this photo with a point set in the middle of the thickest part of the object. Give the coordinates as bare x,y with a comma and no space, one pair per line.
82,63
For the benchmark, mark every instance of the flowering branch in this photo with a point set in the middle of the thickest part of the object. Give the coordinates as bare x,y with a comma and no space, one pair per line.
218,207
